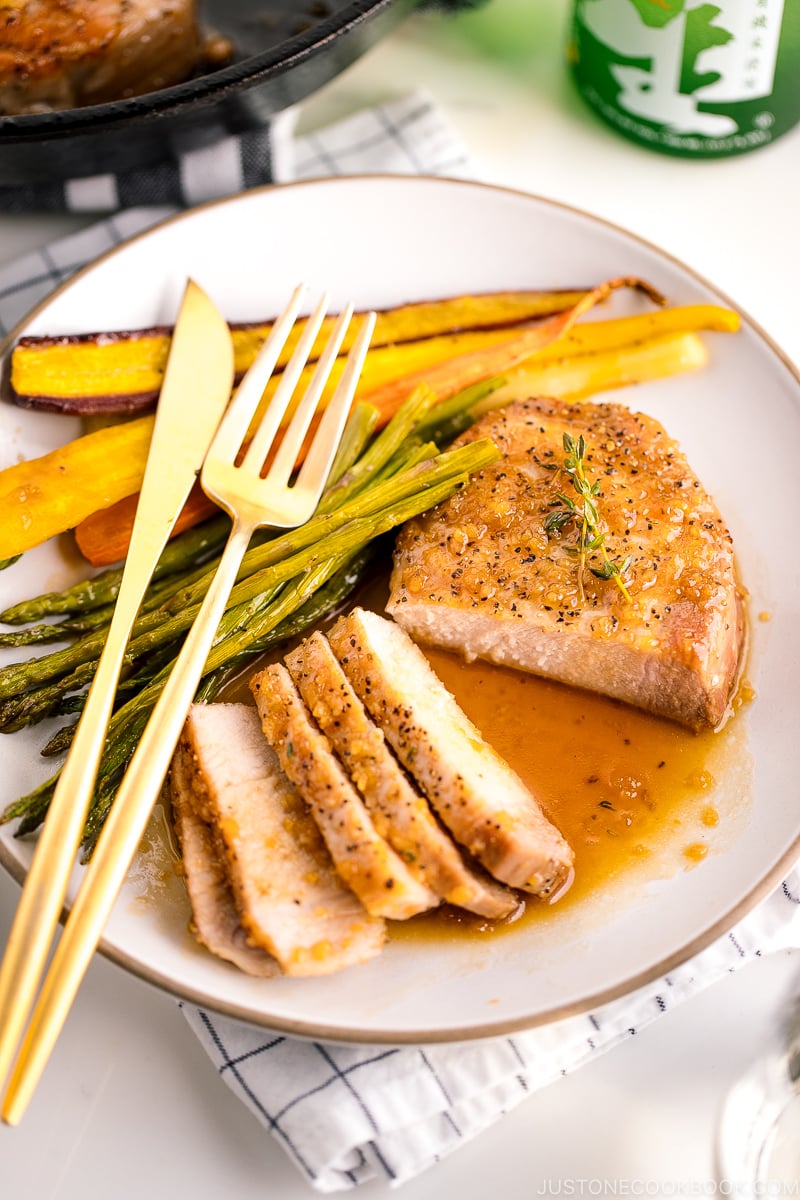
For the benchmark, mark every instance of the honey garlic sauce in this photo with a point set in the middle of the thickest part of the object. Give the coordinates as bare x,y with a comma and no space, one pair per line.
621,785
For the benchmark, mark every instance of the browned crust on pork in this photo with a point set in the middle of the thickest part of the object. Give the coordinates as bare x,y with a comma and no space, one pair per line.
401,813
57,54
364,859
290,899
480,575
484,804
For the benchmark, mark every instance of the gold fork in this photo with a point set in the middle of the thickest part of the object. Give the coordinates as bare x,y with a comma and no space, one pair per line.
252,502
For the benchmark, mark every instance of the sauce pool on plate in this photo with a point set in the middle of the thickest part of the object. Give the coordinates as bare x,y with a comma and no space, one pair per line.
618,783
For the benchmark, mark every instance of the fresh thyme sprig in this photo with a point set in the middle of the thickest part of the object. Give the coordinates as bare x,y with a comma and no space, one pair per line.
591,539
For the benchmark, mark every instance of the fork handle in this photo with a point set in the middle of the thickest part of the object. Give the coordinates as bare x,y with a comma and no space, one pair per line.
121,835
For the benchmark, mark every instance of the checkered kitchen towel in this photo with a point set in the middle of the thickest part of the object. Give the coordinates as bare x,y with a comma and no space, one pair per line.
347,1114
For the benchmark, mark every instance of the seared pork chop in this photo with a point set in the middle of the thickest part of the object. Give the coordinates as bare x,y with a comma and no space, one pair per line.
480,574
483,803
400,813
57,54
290,899
215,919
364,859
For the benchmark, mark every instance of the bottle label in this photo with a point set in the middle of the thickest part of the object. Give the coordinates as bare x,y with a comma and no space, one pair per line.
687,74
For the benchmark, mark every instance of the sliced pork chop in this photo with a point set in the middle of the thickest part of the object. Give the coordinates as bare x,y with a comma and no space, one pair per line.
479,574
215,919
57,54
400,813
478,797
290,899
364,859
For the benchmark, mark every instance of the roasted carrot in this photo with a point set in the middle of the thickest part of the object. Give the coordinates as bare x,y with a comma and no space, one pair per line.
564,359
46,495
104,536
451,375
123,371
583,376
390,370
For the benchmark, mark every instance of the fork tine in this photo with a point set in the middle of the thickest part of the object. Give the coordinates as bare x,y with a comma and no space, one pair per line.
316,468
270,423
234,424
283,463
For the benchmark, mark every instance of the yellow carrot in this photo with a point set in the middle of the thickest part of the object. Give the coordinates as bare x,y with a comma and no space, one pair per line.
46,495
576,378
452,374
124,371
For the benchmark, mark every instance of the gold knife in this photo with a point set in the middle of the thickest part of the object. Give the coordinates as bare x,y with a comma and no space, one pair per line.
196,388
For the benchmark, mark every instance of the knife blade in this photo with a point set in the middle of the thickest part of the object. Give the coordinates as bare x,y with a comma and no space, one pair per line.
196,388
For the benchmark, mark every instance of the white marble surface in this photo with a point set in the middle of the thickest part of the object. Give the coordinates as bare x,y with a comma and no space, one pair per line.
130,1105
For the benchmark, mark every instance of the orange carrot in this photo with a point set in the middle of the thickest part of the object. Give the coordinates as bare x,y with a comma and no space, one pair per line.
451,376
103,538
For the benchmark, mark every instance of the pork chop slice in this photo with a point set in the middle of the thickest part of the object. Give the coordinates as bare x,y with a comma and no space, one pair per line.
400,812
215,919
57,54
364,859
483,803
290,899
480,574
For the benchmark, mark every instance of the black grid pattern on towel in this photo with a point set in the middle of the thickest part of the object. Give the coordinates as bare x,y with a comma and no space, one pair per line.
404,136
231,1065
408,137
322,1088
163,183
391,1112
28,280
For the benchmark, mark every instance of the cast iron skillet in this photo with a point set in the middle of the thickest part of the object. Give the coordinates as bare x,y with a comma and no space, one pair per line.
284,50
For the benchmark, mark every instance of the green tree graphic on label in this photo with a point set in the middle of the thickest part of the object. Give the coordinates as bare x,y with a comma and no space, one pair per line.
658,12
672,60
701,34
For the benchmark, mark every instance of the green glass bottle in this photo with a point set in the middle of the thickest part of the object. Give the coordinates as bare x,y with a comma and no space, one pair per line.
690,77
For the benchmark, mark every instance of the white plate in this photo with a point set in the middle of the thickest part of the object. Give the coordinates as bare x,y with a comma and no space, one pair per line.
380,241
